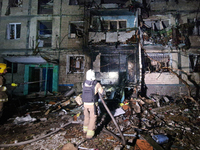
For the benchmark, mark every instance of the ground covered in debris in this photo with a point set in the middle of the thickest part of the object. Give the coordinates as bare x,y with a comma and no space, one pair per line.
52,122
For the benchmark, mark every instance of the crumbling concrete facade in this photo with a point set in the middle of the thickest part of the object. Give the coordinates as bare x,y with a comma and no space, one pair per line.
173,23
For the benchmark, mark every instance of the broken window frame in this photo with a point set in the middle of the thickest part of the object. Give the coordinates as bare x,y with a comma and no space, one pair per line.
44,35
107,24
194,63
45,7
16,3
75,64
117,28
153,65
76,32
76,2
13,31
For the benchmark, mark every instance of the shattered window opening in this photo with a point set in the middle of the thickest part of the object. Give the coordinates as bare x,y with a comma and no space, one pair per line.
109,63
78,2
76,29
113,25
122,25
117,25
75,64
153,61
98,24
13,30
44,33
15,3
194,63
45,7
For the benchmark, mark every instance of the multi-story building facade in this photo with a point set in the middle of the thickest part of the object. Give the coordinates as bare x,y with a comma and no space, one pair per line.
39,41
59,40
173,41
49,40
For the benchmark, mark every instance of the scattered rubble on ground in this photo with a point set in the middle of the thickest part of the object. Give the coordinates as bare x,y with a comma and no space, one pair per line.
55,122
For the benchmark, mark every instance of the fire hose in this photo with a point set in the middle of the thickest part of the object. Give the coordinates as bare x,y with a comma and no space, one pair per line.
113,119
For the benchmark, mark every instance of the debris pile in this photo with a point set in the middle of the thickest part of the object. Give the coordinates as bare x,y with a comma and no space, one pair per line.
54,121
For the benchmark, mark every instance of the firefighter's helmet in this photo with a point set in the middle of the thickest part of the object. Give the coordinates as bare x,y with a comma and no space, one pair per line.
90,75
2,67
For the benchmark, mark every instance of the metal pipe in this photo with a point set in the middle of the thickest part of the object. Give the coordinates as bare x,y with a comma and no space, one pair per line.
113,119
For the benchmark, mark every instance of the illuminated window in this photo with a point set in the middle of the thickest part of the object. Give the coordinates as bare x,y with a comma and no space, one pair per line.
76,2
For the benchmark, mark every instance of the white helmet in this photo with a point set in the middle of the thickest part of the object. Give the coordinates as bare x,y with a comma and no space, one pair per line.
90,75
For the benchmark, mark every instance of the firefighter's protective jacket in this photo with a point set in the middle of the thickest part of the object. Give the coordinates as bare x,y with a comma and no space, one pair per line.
3,95
89,94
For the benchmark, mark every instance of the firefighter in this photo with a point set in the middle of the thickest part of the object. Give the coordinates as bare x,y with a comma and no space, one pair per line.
3,95
90,99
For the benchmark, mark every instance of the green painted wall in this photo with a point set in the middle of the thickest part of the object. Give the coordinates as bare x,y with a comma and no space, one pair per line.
55,76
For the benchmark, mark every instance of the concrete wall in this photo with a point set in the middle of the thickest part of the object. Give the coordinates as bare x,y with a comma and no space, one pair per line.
72,79
28,16
167,83
13,43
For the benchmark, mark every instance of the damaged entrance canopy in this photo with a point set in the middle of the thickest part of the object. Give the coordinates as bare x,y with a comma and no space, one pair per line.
26,59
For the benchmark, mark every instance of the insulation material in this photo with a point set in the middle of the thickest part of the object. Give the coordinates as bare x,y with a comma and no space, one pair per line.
111,37
96,36
123,36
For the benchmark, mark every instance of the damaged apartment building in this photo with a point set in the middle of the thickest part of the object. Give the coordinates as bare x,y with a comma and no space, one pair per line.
51,44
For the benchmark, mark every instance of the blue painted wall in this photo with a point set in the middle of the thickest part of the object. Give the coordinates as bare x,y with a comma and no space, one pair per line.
131,20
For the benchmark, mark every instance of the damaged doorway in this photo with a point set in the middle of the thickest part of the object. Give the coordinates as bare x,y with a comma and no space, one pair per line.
36,76
39,75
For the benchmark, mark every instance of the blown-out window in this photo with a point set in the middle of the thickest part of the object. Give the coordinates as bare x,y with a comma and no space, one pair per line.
13,30
114,25
76,29
15,3
44,33
157,62
109,63
45,6
75,64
